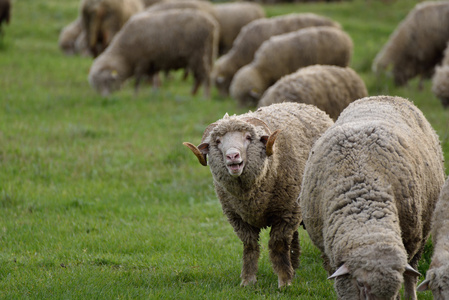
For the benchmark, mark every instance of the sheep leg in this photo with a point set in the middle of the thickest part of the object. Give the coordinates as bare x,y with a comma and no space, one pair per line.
295,250
281,236
249,235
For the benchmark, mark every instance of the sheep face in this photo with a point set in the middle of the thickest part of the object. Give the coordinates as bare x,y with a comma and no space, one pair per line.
233,147
437,280
377,273
247,86
105,81
221,76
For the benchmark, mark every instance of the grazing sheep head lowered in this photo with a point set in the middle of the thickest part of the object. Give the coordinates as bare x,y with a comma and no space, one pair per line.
235,146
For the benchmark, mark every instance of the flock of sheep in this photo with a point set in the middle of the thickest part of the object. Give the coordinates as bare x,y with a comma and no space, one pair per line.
364,175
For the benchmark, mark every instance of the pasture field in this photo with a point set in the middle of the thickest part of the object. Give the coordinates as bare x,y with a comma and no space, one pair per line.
99,199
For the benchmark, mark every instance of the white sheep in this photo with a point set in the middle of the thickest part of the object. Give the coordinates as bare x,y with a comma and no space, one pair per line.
330,88
286,53
257,161
161,41
369,189
417,44
437,277
102,19
250,38
440,80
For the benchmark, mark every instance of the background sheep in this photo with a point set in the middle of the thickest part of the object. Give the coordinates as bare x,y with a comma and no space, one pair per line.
417,44
257,161
252,36
152,42
286,53
330,88
102,19
437,278
369,189
232,17
5,12
69,35
440,80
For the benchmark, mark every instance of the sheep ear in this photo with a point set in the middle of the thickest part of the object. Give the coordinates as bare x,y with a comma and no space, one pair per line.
269,142
410,271
424,286
200,151
343,270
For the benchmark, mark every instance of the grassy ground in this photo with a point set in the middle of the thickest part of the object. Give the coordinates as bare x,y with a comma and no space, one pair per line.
98,197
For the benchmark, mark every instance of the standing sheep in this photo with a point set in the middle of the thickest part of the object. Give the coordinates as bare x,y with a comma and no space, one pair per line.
5,12
232,17
284,54
369,190
153,42
437,279
440,80
102,19
417,44
250,38
330,88
257,161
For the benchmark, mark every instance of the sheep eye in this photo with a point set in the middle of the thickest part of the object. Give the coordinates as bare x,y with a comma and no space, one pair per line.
218,141
249,138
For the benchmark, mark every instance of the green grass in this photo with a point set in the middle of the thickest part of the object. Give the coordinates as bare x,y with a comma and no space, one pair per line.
98,197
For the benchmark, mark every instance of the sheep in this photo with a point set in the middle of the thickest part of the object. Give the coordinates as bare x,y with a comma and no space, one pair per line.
5,13
417,44
69,35
437,278
256,160
232,17
369,189
284,54
330,88
440,80
251,36
102,19
152,42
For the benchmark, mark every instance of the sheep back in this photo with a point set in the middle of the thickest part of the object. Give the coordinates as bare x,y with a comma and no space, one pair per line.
232,17
284,54
252,35
330,88
369,189
140,49
417,44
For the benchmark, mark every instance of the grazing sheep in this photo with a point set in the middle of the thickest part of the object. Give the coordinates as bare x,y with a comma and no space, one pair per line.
284,54
437,277
440,80
417,44
69,35
5,12
232,17
369,190
152,42
102,19
251,36
257,160
330,88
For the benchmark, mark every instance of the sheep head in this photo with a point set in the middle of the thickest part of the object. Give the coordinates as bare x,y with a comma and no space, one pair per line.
231,138
376,276
247,86
437,280
107,75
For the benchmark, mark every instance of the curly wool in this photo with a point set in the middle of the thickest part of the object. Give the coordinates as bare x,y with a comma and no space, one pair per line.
252,35
330,88
417,44
381,166
285,54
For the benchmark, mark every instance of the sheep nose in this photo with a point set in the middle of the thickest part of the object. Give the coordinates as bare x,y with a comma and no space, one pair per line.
233,156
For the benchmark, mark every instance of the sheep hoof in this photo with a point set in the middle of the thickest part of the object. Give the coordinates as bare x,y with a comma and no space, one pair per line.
249,281
283,284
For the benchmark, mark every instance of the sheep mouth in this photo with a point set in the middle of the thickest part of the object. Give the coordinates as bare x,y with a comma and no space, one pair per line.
235,169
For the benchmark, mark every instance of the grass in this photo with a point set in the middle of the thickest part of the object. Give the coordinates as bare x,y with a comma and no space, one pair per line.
98,197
